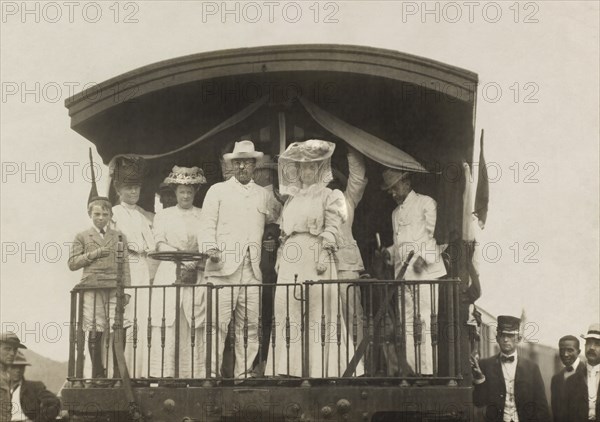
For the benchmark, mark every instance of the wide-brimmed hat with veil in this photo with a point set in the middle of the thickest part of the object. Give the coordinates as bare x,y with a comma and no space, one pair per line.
311,151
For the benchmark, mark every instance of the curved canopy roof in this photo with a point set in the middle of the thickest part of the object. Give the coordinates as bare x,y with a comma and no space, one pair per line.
449,80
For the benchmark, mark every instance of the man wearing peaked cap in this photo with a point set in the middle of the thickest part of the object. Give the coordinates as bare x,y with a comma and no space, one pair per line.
583,387
29,400
510,386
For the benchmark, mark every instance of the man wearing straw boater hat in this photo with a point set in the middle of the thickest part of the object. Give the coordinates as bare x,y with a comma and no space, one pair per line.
232,223
583,387
510,386
29,400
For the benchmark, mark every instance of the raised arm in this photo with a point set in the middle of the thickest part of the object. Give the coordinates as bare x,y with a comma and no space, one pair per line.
357,180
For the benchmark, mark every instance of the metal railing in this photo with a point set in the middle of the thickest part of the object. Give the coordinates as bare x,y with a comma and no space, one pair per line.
386,330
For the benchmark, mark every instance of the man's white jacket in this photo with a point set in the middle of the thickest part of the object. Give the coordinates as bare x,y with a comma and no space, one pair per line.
233,220
414,225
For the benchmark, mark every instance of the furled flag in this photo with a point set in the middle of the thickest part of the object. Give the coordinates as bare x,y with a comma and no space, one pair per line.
482,196
94,188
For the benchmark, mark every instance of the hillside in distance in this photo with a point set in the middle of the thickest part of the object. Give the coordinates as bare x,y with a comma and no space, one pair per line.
50,372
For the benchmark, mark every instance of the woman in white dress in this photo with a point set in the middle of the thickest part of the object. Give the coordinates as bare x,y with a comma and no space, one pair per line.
175,229
310,224
136,224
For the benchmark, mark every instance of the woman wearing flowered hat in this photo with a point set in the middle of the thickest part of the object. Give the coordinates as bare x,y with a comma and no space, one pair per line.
310,223
175,229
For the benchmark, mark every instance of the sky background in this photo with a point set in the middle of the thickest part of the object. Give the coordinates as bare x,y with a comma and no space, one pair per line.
547,210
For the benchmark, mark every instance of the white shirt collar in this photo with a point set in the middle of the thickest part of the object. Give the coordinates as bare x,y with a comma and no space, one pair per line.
409,198
592,369
98,230
129,206
411,195
576,364
246,186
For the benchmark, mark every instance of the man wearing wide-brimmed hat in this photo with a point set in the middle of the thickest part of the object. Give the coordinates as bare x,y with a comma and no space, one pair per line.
510,386
9,347
583,387
413,223
29,400
233,218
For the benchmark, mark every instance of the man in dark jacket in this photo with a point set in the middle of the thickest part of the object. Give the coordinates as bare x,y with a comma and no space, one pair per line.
9,346
30,400
510,386
583,387
568,349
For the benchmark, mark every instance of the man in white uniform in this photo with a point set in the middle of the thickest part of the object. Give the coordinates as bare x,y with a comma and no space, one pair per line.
233,218
413,222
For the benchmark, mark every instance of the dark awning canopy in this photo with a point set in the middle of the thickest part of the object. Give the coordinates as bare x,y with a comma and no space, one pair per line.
158,107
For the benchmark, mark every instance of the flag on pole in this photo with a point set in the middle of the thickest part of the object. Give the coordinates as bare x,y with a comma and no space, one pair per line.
94,188
482,195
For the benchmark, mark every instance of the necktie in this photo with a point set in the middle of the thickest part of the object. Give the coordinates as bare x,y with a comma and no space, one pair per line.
102,232
569,368
507,358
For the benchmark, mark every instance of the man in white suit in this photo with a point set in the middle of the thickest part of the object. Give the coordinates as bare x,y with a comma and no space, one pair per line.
414,224
233,218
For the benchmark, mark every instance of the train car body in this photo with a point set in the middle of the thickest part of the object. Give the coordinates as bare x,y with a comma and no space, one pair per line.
398,110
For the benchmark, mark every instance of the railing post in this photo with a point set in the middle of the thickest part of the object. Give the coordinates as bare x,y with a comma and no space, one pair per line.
371,330
457,326
163,333
135,332
193,331
450,332
177,328
306,366
149,328
80,337
72,334
208,347
245,331
417,326
434,326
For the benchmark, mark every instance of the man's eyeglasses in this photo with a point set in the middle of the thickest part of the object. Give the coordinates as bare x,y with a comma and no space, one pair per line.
246,162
